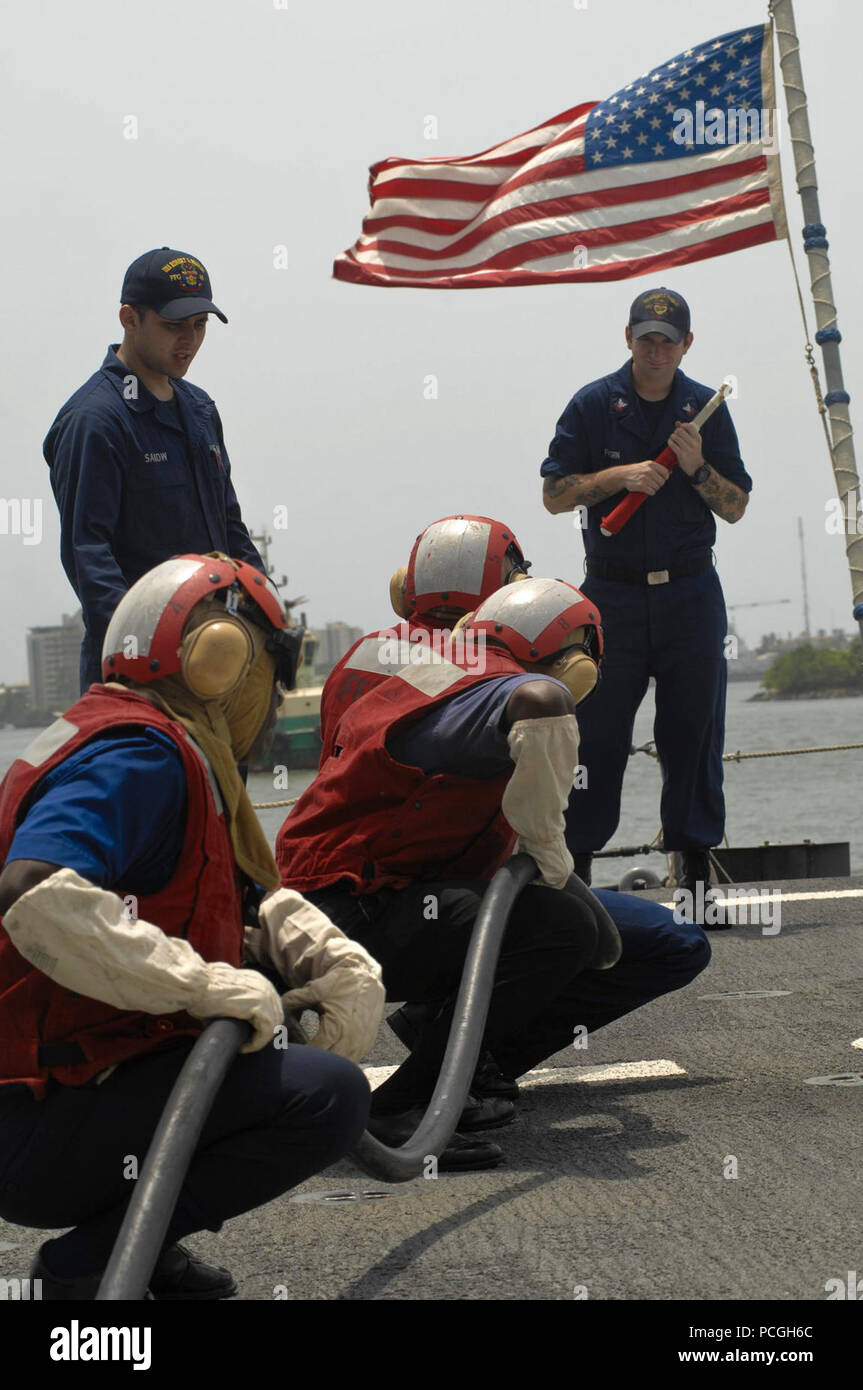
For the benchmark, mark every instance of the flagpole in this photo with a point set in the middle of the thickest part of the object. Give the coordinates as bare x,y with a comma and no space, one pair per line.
828,336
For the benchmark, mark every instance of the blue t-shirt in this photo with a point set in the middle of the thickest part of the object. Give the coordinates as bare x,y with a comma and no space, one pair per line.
464,736
115,812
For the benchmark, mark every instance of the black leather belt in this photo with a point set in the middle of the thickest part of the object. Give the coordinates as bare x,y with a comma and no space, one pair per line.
607,569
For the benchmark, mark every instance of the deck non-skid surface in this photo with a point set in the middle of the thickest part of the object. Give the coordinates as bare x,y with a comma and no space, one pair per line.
617,1179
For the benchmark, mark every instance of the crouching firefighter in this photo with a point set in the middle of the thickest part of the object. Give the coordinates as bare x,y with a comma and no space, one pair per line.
434,774
129,843
455,563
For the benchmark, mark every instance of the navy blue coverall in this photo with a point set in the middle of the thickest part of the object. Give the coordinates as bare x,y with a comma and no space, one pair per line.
672,630
137,480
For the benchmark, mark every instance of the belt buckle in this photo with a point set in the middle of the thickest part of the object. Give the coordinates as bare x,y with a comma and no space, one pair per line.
657,576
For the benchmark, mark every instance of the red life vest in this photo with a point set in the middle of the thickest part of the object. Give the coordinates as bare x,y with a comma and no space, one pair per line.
374,821
202,902
369,662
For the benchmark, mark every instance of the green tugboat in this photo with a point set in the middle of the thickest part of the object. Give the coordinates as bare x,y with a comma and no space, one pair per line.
297,740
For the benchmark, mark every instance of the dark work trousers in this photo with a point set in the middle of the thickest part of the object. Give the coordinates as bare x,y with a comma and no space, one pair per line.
90,663
542,990
280,1116
674,632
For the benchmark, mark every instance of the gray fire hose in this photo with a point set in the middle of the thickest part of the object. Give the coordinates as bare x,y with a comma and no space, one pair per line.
152,1203
440,1120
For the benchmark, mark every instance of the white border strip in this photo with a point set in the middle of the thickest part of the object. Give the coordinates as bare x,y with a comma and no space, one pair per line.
612,1071
786,897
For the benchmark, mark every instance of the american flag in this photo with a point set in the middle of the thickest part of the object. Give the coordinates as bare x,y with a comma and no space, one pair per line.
679,165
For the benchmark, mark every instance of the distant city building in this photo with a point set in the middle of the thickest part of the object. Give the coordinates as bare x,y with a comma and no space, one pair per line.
53,655
333,641
14,703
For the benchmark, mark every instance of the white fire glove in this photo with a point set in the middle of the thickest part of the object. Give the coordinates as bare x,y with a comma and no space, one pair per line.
328,972
545,753
81,937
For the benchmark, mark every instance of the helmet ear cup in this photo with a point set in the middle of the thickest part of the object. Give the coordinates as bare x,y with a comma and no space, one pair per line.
577,671
216,657
574,668
398,588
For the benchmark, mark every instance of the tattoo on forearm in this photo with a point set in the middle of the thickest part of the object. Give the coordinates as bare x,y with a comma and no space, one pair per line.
553,487
722,497
585,491
590,493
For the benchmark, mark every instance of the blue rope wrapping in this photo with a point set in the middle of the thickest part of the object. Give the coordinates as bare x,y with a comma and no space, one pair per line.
858,611
812,243
828,335
837,398
814,229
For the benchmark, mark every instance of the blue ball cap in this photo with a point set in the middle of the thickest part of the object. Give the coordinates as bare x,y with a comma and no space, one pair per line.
660,311
173,283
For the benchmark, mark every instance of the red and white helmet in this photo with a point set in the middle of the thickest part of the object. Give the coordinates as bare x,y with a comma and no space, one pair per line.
144,640
548,623
456,563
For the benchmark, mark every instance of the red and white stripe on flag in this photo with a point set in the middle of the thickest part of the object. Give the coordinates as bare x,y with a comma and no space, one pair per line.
679,165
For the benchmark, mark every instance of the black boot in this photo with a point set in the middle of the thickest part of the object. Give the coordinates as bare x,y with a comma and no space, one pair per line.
178,1276
707,904
488,1082
53,1288
462,1154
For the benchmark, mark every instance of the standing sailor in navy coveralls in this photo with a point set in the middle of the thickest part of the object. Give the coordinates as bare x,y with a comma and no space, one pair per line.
654,582
138,462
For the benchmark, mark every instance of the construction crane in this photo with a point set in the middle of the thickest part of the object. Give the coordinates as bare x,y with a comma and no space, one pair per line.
759,603
756,603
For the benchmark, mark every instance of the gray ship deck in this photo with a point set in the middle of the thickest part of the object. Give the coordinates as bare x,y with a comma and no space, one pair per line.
616,1183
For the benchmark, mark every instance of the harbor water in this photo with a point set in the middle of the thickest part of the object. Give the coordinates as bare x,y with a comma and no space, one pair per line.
814,796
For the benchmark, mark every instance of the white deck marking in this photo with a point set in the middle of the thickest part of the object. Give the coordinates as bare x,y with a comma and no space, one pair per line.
612,1071
788,897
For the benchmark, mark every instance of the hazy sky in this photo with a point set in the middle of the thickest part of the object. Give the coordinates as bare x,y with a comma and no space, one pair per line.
256,127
